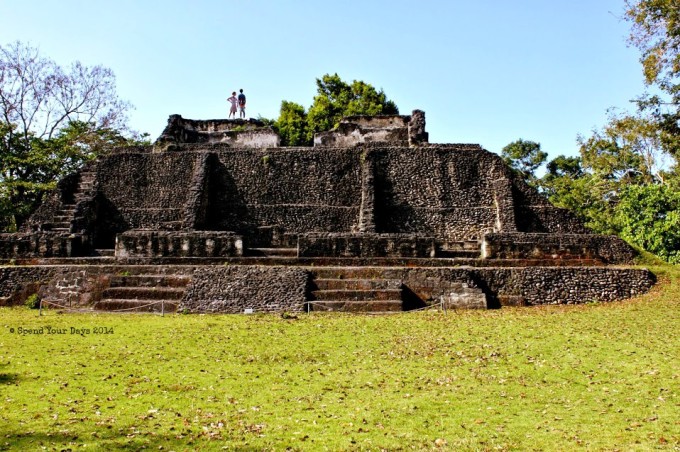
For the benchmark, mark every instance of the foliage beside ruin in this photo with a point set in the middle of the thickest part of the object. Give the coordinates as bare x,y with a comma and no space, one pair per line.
593,376
334,100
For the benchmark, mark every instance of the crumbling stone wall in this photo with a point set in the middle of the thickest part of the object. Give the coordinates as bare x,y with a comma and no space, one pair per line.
608,249
233,289
230,132
136,243
529,285
365,245
451,192
390,130
353,130
534,213
41,244
18,283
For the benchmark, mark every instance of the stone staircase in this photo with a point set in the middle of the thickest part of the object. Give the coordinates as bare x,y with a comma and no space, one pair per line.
461,249
273,241
354,289
143,293
272,252
61,221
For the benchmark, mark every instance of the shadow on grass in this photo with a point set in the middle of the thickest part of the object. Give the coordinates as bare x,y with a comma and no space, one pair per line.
7,377
29,440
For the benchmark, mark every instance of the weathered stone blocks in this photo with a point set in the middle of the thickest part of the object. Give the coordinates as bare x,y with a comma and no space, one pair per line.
608,249
178,244
233,289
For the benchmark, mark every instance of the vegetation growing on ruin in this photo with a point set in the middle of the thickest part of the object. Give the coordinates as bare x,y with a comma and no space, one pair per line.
594,376
334,100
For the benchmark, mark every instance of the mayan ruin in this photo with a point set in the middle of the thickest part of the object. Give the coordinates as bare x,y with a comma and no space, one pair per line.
217,217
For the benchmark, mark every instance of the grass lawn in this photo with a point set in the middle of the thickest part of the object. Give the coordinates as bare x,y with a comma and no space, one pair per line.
589,377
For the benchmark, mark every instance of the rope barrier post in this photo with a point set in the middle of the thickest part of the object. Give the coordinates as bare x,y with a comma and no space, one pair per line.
40,308
443,305
162,308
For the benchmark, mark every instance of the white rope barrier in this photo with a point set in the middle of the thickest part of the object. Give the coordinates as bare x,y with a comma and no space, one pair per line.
441,305
70,308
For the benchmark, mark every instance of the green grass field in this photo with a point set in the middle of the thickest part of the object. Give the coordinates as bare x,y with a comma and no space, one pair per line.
588,377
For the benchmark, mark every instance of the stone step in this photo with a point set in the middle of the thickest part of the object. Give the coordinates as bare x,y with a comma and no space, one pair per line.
358,272
512,300
105,252
179,281
273,252
356,306
458,253
357,295
462,245
136,305
356,284
144,293
61,229
61,224
171,225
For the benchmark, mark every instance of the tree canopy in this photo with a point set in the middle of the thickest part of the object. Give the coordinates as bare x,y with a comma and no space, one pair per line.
52,120
524,157
626,179
334,100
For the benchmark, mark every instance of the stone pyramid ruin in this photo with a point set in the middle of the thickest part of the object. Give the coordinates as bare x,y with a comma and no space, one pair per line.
216,216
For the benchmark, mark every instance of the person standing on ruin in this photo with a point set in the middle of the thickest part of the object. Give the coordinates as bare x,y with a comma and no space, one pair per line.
234,101
242,104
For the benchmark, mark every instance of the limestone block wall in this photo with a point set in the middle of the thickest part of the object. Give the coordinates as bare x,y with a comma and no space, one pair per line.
390,130
609,249
41,244
295,188
529,285
18,283
446,192
450,192
562,285
231,132
365,245
148,244
142,190
233,289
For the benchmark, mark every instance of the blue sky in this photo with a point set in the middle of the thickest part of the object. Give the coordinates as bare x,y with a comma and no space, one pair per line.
484,71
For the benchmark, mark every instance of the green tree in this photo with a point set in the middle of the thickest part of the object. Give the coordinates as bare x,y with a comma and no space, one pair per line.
656,33
649,217
27,172
334,100
564,166
630,147
52,120
292,125
525,157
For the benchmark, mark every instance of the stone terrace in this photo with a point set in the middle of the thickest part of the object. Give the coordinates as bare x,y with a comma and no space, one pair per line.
215,218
